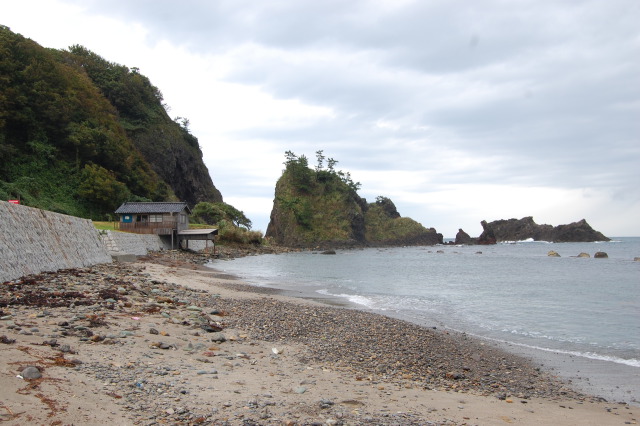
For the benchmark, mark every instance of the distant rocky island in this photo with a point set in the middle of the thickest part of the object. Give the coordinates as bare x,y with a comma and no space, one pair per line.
526,228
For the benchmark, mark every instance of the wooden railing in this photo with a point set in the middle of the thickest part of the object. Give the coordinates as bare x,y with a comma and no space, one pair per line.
159,228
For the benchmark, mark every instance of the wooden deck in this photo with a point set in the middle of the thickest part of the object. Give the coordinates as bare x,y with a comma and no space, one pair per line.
158,228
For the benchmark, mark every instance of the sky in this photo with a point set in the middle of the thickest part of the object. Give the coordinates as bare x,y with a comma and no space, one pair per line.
458,111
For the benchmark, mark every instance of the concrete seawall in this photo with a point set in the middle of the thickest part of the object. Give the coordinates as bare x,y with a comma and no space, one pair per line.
34,241
119,243
137,244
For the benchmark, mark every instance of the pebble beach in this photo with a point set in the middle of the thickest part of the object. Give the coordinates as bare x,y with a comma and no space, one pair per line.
166,340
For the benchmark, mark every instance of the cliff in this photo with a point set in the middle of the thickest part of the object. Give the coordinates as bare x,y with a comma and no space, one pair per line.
84,134
321,207
167,145
525,228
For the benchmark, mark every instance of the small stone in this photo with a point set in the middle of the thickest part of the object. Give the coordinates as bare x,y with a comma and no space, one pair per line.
454,375
210,329
300,390
31,373
153,331
218,337
325,403
583,254
194,308
553,253
600,255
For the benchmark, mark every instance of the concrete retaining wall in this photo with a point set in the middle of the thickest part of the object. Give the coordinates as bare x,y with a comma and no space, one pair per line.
34,241
138,244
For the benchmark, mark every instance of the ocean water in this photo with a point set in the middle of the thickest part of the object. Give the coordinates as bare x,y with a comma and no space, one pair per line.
512,293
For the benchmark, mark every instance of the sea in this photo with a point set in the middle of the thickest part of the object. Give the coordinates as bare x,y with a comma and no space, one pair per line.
578,317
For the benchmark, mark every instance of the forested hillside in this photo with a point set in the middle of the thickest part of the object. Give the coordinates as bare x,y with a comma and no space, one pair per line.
80,135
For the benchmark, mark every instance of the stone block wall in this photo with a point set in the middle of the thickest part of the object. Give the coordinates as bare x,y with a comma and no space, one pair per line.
129,243
34,241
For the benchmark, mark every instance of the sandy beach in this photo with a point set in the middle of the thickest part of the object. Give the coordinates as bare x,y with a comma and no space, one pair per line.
168,341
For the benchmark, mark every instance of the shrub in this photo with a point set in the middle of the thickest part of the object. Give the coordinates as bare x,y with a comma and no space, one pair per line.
233,234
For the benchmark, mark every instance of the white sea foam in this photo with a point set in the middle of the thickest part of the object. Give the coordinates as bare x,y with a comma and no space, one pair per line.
353,298
632,362
526,241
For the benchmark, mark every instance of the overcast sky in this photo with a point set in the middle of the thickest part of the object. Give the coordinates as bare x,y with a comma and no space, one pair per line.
458,111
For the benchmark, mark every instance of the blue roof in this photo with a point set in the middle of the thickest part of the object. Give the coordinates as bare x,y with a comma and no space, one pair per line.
170,207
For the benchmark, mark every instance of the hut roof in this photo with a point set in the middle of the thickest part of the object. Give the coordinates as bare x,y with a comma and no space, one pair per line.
169,207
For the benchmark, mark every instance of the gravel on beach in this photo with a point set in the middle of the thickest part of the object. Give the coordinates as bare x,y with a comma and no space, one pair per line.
113,324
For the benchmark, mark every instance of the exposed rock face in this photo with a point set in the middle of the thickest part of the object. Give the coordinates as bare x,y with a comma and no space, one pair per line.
464,238
314,218
318,209
525,228
176,157
487,237
577,232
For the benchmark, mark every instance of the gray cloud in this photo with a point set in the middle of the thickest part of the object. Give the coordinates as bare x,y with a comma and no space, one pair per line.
538,93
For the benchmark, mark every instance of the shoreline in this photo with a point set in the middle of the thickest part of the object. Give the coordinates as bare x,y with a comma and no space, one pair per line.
601,378
589,373
130,345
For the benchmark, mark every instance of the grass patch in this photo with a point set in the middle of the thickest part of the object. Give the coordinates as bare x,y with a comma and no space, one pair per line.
105,226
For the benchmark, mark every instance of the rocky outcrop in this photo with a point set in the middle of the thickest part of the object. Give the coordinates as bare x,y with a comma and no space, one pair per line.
175,156
525,228
317,217
487,237
464,238
577,232
320,208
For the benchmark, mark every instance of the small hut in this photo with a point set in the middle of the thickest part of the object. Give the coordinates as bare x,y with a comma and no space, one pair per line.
165,219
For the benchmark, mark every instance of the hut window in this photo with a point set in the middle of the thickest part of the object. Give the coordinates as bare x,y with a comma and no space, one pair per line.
155,218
